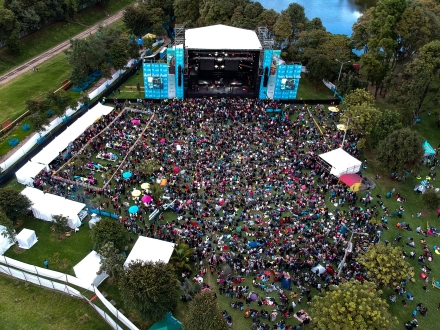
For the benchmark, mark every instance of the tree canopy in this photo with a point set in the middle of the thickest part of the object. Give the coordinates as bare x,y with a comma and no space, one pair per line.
352,305
13,204
109,230
112,261
150,288
401,151
204,313
384,264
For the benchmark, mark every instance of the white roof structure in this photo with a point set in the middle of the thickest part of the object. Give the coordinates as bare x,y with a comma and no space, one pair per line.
5,244
45,206
61,142
221,37
26,174
150,249
26,238
341,162
87,269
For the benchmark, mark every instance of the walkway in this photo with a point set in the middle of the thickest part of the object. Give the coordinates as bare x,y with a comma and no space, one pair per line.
14,73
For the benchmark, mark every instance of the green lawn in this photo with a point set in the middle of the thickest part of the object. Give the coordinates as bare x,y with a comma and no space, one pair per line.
15,133
71,249
50,36
27,306
132,93
309,91
32,85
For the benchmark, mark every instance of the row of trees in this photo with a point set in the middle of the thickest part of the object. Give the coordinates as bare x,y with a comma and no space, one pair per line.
21,15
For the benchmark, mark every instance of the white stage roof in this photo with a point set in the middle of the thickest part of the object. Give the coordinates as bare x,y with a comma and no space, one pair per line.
341,162
150,249
221,37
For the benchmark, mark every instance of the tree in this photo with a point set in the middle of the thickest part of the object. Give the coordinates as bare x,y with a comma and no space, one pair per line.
181,256
118,55
388,122
358,97
8,231
112,261
361,118
217,12
384,264
350,82
352,305
109,230
150,288
431,199
187,11
268,19
204,313
283,27
401,151
156,191
319,68
13,204
60,224
58,101
142,18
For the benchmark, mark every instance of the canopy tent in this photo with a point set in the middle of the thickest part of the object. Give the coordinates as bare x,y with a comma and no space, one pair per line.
45,206
354,181
26,238
61,142
5,243
341,162
87,269
318,268
150,249
26,174
221,37
429,151
168,323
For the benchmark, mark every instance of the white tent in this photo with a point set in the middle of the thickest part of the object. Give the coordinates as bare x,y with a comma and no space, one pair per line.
26,238
26,174
150,249
45,206
87,269
5,244
341,162
318,268
221,37
94,220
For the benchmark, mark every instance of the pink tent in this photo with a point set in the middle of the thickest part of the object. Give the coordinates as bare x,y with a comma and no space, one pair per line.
146,199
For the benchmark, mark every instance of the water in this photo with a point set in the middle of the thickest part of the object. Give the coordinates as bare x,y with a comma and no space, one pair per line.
338,16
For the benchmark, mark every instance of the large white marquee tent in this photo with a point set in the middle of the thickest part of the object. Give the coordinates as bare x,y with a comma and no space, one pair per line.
45,206
27,173
87,269
341,162
5,244
221,37
150,249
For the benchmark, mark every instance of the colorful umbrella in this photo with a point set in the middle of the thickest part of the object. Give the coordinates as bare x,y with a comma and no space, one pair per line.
135,121
188,201
126,175
136,193
133,209
333,109
176,170
146,199
145,185
340,127
162,141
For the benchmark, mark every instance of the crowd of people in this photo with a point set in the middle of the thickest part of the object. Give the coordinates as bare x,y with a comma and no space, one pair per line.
248,191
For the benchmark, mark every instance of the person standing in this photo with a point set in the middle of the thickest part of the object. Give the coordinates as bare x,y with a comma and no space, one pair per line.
46,263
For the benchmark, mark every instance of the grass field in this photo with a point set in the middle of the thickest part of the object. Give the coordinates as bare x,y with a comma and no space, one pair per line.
50,36
32,85
309,91
26,306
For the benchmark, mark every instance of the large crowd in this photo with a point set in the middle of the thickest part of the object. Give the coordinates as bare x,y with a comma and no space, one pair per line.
248,190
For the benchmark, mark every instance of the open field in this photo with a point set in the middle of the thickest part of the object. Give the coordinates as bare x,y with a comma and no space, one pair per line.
308,91
27,306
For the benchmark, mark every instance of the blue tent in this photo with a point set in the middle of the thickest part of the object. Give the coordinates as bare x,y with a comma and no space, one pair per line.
285,283
428,150
168,323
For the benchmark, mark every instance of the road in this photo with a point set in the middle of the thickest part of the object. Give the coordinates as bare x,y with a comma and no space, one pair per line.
14,73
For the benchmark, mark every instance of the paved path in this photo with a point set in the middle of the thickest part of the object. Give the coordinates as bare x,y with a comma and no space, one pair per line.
14,73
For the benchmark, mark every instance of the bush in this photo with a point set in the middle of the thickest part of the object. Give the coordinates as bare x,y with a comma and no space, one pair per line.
431,199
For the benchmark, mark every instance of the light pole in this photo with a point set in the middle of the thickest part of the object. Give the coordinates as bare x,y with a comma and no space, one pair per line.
346,128
349,247
340,71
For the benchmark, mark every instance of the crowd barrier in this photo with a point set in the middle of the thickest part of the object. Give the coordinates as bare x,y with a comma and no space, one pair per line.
33,274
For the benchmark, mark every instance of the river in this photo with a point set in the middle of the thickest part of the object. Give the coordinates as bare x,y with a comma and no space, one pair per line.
338,16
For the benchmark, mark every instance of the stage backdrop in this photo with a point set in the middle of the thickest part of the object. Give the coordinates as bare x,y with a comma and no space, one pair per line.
155,80
281,80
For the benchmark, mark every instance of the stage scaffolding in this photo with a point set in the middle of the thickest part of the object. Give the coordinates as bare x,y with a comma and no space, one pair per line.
267,42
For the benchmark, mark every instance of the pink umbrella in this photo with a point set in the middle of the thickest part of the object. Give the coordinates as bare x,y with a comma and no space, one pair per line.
221,202
135,121
188,201
303,187
176,170
162,141
146,199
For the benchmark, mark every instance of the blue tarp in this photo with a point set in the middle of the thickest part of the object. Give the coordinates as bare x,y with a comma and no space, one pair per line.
429,151
285,283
